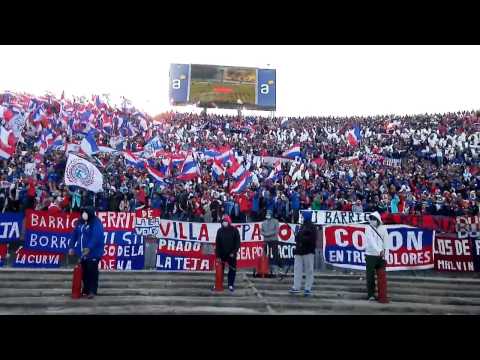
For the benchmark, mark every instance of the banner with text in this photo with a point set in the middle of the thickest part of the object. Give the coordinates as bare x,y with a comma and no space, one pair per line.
409,248
147,223
327,217
454,253
26,258
188,246
124,248
51,233
10,226
467,223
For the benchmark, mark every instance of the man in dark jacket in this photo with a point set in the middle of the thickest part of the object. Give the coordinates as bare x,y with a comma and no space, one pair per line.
227,244
88,243
305,241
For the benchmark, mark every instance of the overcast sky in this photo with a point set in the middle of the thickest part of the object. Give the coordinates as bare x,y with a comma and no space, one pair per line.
311,80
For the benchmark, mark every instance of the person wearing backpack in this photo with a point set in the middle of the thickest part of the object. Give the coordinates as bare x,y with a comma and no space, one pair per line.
305,242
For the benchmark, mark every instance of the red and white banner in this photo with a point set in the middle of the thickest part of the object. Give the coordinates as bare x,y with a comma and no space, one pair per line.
189,246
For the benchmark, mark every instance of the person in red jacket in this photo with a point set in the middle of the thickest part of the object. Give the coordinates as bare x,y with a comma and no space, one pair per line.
141,198
245,203
31,192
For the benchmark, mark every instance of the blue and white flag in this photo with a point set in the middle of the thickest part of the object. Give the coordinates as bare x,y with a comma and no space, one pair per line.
80,172
89,145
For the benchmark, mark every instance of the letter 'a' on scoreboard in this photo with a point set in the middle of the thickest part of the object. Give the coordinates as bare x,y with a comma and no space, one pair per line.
179,84
266,89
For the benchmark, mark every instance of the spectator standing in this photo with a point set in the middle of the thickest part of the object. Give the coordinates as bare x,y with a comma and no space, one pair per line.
88,242
270,236
227,244
375,251
305,242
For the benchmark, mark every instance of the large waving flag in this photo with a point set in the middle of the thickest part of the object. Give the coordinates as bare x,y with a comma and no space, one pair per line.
153,144
277,172
224,154
157,175
7,143
236,170
89,145
293,152
210,154
242,184
133,160
80,172
176,159
107,122
58,143
354,136
45,141
16,123
217,169
190,169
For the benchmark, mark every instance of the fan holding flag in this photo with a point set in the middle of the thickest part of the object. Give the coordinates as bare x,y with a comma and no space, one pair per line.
354,136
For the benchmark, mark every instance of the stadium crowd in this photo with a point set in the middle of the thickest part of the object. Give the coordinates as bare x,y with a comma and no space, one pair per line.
419,164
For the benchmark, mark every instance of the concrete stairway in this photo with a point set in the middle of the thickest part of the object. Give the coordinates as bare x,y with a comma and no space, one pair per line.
149,292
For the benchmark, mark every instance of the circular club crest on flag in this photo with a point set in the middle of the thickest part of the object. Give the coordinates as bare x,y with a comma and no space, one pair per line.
80,173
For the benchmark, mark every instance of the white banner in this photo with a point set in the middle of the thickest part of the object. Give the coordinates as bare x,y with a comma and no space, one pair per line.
80,172
327,217
17,123
206,232
29,169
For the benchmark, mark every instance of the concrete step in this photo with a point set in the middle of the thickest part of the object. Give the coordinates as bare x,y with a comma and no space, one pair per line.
139,274
150,292
201,286
239,293
174,301
366,307
205,292
22,276
392,289
277,305
420,299
132,310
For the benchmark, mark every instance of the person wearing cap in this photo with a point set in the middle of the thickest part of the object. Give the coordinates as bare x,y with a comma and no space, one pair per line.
305,242
87,242
376,237
270,235
227,244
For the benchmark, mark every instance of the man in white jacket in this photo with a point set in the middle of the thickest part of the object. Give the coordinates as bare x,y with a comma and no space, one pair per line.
376,250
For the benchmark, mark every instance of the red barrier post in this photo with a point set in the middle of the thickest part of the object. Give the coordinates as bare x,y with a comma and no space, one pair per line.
218,275
77,282
382,286
263,265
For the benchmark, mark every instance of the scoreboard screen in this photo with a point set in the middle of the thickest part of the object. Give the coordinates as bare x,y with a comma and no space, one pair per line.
223,86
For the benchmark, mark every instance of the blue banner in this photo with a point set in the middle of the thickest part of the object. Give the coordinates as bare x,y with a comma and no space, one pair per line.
10,225
408,248
44,241
123,257
51,234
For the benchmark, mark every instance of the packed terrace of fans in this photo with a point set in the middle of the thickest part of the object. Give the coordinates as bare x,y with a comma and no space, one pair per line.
242,166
